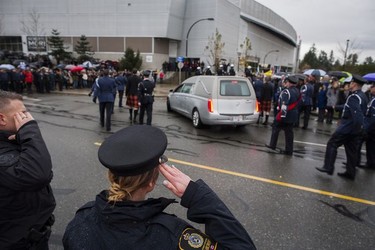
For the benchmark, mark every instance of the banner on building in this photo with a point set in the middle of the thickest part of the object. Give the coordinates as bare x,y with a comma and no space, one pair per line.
36,44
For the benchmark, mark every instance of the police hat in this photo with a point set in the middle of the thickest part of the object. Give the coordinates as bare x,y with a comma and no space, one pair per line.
292,79
146,73
358,79
133,150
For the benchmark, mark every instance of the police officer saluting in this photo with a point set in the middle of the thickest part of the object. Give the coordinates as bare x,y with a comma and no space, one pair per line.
287,115
348,132
146,97
122,218
26,197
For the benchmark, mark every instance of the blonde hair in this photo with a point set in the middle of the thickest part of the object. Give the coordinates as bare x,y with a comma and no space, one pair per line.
122,187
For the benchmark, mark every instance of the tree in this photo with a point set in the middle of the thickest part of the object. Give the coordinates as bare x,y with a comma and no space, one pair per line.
331,58
130,60
351,47
369,60
310,60
33,27
56,45
246,48
215,48
352,59
324,61
83,49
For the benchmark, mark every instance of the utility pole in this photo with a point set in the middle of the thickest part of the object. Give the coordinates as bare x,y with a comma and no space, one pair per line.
297,56
346,52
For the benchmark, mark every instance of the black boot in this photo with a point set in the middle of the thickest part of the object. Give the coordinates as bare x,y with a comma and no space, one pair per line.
266,121
131,114
135,116
260,118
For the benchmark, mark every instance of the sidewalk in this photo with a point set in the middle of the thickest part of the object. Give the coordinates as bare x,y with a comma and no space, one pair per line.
161,90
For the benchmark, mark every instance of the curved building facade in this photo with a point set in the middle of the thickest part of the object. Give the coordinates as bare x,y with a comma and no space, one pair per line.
159,29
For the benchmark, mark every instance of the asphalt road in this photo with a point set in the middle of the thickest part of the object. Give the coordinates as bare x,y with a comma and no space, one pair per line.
282,201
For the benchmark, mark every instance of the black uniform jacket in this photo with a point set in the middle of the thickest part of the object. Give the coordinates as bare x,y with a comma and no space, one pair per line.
143,225
145,91
26,198
353,114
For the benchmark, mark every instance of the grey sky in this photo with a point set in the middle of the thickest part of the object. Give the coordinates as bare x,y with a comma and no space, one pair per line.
329,23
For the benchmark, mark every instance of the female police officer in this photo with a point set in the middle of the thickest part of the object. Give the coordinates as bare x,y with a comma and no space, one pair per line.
121,218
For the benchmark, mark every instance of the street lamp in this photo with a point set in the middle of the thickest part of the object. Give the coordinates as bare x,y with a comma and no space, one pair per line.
269,52
187,35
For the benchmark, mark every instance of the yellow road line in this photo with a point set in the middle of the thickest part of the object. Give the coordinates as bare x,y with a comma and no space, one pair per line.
279,183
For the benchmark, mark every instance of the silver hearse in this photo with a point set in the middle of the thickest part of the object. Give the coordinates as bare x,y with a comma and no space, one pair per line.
215,100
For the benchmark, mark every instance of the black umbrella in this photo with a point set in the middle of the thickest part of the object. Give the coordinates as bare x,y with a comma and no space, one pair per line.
300,76
61,66
338,74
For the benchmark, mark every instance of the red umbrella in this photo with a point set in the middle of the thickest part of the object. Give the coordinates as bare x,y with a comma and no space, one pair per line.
76,68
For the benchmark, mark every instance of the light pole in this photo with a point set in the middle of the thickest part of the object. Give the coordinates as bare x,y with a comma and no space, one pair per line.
269,52
187,35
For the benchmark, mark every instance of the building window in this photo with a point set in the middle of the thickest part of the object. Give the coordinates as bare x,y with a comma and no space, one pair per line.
11,43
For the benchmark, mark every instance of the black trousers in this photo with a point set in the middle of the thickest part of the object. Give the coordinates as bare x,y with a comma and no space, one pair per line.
351,143
105,109
289,136
306,110
330,113
370,149
120,96
148,108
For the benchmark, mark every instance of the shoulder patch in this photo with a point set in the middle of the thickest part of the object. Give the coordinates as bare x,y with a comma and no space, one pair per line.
7,160
192,238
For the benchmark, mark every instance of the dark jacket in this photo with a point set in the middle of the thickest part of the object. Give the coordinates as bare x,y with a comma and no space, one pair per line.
132,86
258,86
145,92
144,225
307,91
288,105
370,117
121,82
26,198
105,89
353,114
266,92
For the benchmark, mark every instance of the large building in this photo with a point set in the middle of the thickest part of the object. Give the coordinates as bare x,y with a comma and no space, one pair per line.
162,30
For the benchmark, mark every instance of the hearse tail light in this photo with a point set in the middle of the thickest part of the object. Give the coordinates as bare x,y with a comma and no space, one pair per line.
210,106
257,107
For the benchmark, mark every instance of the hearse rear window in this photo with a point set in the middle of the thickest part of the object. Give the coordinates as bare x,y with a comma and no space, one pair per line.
234,88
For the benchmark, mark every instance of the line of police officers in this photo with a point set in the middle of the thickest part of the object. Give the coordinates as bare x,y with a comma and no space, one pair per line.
357,124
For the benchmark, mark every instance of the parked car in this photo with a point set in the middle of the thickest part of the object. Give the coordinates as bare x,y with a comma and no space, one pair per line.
215,100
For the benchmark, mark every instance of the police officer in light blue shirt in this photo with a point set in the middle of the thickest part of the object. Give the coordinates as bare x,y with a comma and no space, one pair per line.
105,92
349,132
121,81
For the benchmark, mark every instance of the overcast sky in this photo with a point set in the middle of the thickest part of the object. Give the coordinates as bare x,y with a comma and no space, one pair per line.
330,23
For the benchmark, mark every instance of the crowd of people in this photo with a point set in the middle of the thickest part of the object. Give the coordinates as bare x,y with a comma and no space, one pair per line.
122,211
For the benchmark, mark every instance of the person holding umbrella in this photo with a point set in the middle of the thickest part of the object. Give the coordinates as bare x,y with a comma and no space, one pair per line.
349,132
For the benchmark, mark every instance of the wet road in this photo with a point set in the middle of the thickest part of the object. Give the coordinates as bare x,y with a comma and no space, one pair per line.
282,201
